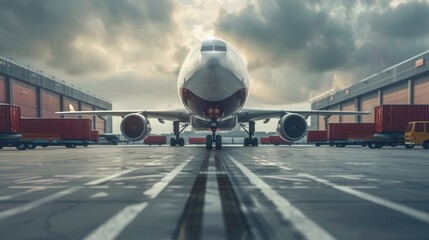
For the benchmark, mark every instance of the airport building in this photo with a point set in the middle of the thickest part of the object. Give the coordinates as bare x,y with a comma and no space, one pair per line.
42,96
403,83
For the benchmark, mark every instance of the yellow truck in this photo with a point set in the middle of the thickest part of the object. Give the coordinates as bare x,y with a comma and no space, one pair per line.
417,133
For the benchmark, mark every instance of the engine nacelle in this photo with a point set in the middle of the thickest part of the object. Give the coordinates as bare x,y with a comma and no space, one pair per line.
135,127
292,127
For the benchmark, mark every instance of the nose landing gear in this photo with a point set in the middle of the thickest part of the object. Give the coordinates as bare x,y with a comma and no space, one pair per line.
213,138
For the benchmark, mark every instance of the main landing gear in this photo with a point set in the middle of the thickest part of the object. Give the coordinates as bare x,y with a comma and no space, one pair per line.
213,138
251,140
177,140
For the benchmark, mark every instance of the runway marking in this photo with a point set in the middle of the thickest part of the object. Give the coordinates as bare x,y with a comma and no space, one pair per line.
26,179
100,195
2,198
108,178
114,226
137,177
285,178
28,206
265,162
308,228
422,216
350,177
159,186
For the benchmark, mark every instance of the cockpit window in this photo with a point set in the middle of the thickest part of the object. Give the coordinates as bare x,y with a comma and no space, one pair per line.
220,48
206,48
215,48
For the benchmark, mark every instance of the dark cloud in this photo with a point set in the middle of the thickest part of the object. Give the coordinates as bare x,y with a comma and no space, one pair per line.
323,44
406,21
79,36
289,32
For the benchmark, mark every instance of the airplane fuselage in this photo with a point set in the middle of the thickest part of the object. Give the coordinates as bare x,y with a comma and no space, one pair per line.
213,82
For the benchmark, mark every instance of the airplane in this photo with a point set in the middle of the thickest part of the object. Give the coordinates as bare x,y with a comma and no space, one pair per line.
213,85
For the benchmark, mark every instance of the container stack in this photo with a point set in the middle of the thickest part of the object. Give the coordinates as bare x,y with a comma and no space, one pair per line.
395,118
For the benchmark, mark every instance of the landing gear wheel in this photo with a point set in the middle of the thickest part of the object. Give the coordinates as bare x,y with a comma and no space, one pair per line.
181,142
254,142
172,142
426,144
218,142
209,141
246,142
409,146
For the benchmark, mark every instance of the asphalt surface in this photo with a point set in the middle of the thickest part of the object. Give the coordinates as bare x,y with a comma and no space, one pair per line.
286,192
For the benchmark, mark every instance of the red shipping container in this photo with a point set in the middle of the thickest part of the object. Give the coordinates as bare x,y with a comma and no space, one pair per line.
155,140
276,140
344,131
10,119
94,136
67,128
265,140
317,135
395,118
194,140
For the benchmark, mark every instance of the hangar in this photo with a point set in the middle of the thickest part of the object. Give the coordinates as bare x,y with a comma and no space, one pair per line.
41,96
403,83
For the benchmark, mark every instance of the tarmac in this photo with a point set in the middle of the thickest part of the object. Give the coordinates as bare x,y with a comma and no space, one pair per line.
266,192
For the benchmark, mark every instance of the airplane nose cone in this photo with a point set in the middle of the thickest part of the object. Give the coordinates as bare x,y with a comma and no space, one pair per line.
213,63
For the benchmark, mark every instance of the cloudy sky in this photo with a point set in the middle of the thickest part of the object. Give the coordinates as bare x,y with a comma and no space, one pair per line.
130,51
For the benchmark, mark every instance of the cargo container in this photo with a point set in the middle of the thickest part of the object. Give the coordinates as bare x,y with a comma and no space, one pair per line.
265,140
276,140
33,132
157,140
317,136
94,136
395,118
68,128
196,140
10,119
345,131
390,122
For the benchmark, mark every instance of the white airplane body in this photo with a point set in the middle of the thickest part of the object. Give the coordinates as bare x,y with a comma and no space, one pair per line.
213,85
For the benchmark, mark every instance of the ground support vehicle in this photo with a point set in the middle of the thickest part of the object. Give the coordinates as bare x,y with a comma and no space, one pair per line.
417,133
23,143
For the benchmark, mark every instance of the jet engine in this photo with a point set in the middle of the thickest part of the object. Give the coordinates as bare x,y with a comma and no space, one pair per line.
135,127
292,127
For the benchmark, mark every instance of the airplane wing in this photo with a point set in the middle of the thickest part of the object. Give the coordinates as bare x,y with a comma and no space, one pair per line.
247,114
169,115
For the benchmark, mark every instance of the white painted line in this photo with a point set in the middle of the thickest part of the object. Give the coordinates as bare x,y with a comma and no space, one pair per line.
28,206
420,215
167,157
108,178
100,195
26,179
309,229
265,162
136,177
115,225
159,186
2,198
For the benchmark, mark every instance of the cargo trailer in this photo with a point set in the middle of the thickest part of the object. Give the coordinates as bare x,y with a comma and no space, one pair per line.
390,123
28,133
